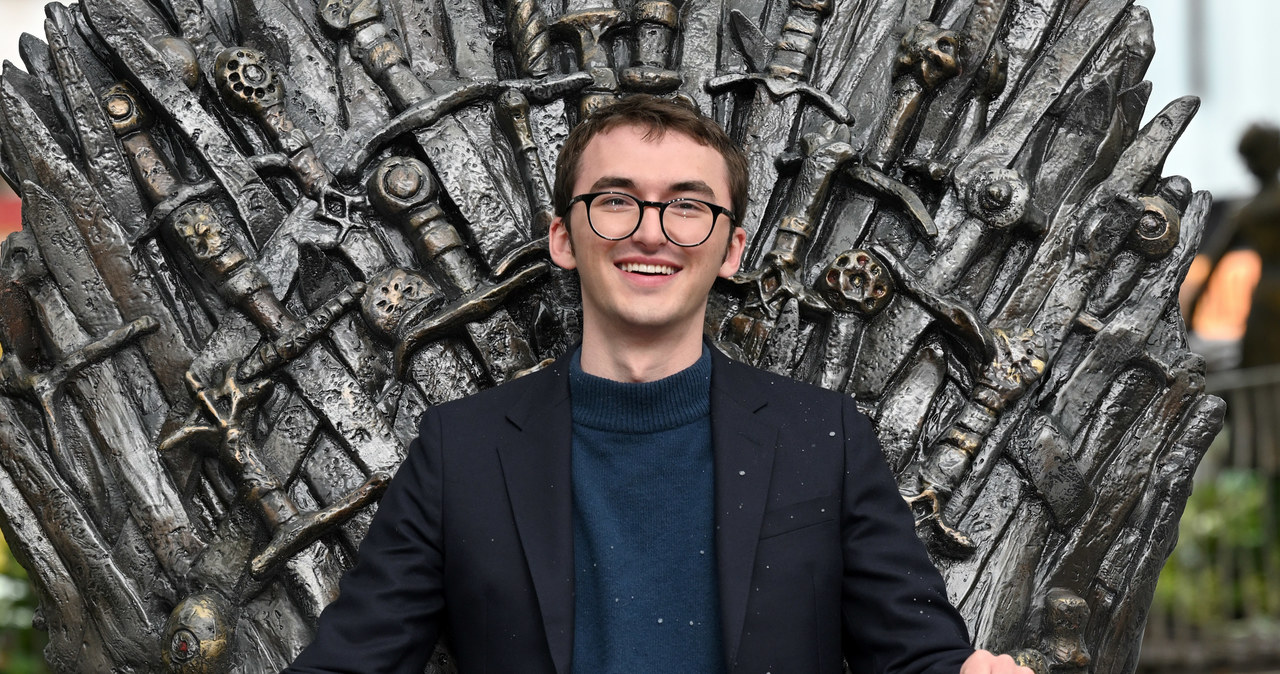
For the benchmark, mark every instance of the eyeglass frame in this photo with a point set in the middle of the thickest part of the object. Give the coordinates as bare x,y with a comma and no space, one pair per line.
716,211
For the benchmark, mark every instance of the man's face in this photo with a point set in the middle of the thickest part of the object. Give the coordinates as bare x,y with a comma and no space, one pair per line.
644,283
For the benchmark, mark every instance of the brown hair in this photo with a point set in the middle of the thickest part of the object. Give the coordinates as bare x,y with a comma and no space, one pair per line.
659,116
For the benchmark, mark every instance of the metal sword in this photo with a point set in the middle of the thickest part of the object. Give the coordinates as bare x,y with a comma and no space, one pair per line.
780,83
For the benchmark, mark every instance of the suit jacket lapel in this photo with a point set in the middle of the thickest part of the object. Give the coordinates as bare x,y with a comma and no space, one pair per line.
535,465
743,447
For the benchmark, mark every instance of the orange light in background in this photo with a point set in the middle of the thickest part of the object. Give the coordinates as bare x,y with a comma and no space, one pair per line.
10,211
1224,307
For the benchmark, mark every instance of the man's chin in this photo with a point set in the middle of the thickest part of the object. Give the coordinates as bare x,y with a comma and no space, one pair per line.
637,319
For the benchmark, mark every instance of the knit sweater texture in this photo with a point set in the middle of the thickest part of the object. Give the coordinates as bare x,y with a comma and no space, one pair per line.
645,582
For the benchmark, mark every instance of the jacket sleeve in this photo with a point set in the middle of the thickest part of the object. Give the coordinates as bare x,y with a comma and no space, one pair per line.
388,614
895,612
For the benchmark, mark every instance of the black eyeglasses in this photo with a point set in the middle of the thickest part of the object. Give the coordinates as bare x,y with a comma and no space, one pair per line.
617,215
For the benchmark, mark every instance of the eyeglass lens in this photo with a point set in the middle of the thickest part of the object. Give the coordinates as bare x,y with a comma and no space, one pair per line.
616,216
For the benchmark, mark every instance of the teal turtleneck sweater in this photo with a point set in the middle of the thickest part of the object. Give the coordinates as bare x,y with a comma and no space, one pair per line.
645,582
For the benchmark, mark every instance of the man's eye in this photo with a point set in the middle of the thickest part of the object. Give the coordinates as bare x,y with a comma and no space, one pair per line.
688,209
616,203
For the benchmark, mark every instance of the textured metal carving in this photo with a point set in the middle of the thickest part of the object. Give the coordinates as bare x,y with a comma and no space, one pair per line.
261,237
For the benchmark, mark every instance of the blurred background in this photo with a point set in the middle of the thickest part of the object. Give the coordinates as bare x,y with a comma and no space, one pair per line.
1217,607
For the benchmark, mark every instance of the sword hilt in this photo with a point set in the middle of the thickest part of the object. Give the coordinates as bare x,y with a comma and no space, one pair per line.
405,192
132,122
360,22
206,239
513,114
530,37
857,287
856,282
587,30
289,345
656,22
793,52
927,57
809,197
198,228
248,84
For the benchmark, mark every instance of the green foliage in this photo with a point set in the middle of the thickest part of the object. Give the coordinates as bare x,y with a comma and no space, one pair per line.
21,646
1216,578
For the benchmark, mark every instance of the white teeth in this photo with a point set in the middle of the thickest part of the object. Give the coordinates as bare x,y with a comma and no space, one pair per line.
638,268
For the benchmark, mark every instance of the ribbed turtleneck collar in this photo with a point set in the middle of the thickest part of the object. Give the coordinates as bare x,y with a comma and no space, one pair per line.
646,407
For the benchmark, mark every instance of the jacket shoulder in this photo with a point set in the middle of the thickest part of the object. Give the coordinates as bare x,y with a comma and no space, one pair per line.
774,389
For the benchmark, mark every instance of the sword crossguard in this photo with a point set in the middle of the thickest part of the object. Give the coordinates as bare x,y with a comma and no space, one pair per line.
774,283
17,380
339,208
250,85
229,406
783,68
957,316
780,88
427,111
307,527
587,30
532,251
940,537
474,306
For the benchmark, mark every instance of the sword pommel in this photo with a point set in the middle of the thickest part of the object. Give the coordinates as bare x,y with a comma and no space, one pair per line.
246,82
341,15
126,114
181,57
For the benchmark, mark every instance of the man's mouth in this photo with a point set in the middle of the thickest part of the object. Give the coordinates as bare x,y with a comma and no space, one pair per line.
647,269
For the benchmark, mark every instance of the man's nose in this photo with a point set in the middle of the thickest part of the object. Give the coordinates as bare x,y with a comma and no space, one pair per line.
650,231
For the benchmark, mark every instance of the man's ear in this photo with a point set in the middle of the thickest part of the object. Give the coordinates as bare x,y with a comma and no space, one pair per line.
560,244
733,254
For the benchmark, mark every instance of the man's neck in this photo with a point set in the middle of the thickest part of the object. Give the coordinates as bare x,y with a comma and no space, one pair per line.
638,358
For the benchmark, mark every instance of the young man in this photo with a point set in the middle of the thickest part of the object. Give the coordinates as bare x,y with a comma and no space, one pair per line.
646,504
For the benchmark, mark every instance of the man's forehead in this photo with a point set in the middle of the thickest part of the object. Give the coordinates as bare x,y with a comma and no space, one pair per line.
602,152
637,132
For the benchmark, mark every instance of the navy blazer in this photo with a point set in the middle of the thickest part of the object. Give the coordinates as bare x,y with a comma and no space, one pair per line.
817,556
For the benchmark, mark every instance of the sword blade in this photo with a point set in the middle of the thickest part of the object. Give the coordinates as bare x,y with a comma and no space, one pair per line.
117,285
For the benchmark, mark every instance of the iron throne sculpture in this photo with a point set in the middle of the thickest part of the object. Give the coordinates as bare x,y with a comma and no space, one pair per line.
262,236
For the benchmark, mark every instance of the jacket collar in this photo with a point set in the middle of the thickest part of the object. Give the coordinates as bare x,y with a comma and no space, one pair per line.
536,467
743,448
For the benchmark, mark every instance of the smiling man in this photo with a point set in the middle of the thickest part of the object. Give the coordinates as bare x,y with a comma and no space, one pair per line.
645,242
646,503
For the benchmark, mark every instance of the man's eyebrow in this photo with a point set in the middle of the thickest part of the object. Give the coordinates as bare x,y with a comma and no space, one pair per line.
695,186
611,182
619,182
